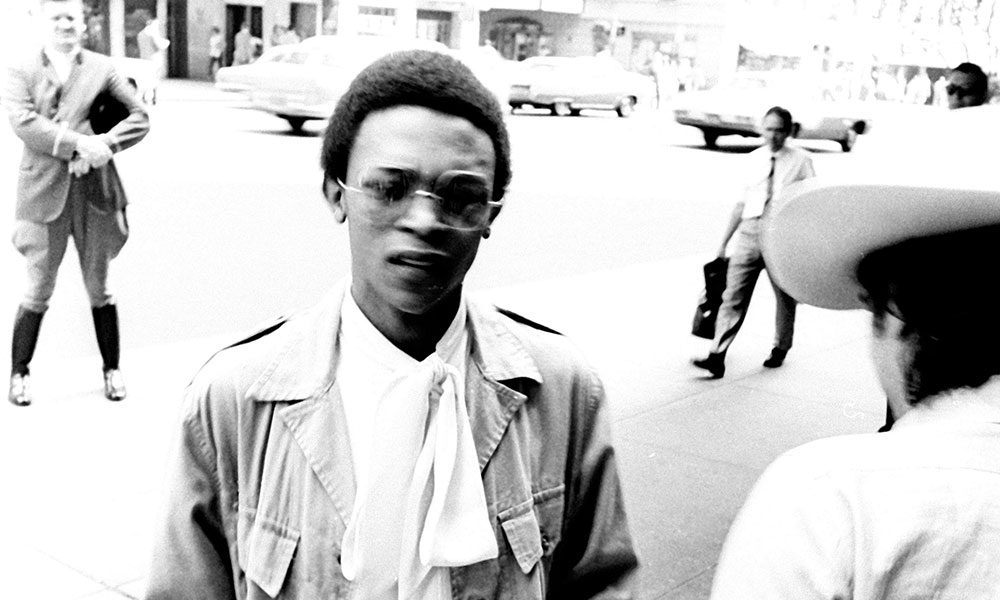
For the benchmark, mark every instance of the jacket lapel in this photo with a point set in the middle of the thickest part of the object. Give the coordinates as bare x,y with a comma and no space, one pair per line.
302,377
498,356
319,426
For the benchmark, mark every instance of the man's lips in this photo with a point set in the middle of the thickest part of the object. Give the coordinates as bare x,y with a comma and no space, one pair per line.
418,259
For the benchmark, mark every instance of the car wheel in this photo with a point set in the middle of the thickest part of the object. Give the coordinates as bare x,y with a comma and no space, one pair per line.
848,142
711,138
295,123
626,107
561,109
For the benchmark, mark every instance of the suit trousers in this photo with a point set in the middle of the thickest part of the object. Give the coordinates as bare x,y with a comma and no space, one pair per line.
745,265
98,236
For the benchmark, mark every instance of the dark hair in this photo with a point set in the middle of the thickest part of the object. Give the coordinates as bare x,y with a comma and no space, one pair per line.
782,113
944,290
980,82
420,78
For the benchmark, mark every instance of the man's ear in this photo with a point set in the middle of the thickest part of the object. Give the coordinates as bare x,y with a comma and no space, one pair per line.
335,197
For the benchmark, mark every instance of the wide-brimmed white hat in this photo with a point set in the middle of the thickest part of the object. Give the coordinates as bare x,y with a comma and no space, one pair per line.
814,240
920,174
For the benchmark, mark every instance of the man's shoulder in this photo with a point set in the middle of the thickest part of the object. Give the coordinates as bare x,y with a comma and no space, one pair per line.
550,350
235,366
26,59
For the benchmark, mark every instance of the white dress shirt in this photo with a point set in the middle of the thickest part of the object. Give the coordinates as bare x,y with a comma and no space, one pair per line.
912,513
791,164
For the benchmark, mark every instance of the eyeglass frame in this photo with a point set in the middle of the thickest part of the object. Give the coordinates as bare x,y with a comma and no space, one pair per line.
495,205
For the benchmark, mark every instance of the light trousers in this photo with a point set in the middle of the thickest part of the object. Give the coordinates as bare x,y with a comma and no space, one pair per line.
745,265
97,235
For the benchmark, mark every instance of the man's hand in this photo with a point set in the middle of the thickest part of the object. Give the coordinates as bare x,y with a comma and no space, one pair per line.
93,151
79,167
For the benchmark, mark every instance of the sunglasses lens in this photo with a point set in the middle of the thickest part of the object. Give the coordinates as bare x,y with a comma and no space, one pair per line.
386,185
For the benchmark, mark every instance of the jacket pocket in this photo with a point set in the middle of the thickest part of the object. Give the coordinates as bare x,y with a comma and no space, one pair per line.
524,537
265,553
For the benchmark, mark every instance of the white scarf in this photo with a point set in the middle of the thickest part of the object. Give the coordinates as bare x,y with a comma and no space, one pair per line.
421,507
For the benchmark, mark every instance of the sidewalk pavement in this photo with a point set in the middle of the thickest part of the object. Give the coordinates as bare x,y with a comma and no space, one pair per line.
83,476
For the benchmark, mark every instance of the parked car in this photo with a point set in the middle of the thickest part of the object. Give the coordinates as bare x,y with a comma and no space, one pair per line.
240,78
567,85
307,81
737,106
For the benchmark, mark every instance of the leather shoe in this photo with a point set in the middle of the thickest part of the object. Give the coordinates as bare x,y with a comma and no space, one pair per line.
713,363
20,391
776,359
114,385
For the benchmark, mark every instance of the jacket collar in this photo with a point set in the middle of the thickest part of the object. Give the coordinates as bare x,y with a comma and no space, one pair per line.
306,364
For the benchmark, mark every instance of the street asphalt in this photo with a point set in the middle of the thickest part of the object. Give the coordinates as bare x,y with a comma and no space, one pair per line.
83,476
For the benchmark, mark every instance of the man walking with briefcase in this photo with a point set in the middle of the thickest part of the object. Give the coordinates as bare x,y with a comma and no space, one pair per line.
774,166
68,185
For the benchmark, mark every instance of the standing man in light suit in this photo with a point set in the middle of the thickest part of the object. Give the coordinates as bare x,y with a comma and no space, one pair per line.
68,185
774,166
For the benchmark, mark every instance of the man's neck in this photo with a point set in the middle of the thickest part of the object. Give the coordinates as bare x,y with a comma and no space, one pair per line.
416,334
62,49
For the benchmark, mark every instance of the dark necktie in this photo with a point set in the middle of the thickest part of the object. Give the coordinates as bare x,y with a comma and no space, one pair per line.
770,183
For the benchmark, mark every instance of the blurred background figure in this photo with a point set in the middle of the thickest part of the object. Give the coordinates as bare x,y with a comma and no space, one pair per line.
967,86
216,50
152,46
918,89
242,45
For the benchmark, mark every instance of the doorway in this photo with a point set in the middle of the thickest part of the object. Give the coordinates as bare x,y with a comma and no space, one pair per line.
236,14
177,51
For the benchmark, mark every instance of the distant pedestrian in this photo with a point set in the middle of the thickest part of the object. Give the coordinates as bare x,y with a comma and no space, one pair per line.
914,512
967,86
400,440
772,167
242,45
152,46
918,89
216,50
67,184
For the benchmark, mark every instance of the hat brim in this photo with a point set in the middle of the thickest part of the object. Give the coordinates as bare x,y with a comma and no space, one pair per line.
815,238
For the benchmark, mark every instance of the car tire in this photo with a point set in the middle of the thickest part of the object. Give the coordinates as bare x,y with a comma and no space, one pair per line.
626,107
561,109
295,123
575,112
847,143
711,138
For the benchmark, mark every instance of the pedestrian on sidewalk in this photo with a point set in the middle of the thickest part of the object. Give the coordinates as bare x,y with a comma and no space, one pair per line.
243,45
771,168
68,185
216,48
913,512
399,440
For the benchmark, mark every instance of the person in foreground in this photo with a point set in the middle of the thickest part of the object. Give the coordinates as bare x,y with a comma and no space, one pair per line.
913,512
68,185
399,440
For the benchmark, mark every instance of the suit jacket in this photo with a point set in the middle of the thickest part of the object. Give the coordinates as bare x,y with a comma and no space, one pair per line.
50,116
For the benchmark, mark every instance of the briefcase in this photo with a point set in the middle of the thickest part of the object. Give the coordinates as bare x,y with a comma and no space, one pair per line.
707,310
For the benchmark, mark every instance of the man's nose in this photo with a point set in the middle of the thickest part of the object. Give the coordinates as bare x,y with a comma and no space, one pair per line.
423,213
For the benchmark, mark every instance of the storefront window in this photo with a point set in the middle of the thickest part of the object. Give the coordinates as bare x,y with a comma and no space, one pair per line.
97,37
330,8
137,14
376,20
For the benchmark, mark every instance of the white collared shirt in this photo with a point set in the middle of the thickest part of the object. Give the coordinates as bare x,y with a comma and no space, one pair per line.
914,512
62,62
370,366
791,164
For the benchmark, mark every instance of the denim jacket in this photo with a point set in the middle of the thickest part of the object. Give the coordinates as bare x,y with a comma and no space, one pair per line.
261,482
